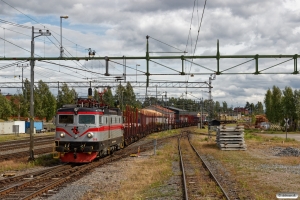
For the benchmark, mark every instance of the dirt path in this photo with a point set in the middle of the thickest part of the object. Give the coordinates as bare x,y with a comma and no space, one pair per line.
283,135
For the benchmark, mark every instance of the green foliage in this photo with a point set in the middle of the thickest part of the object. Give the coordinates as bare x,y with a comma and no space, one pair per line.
45,102
126,96
5,108
277,104
108,98
283,104
66,96
253,136
46,160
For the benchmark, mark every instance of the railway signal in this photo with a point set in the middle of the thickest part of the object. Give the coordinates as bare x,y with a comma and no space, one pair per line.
286,124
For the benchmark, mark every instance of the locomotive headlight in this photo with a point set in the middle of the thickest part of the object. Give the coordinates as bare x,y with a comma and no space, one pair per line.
90,135
62,135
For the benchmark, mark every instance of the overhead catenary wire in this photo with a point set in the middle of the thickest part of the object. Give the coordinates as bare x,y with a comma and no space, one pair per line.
59,48
19,46
71,75
12,64
36,22
199,28
44,27
167,45
126,66
70,67
190,29
23,49
53,70
19,33
14,24
19,11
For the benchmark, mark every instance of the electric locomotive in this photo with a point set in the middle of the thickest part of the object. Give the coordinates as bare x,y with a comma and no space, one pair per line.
87,130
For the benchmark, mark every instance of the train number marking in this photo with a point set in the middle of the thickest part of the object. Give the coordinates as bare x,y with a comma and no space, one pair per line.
94,139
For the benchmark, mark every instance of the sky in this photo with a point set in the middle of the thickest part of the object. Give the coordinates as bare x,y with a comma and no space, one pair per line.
119,28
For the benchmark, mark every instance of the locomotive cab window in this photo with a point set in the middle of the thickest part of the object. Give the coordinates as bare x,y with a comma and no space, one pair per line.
100,120
86,119
65,119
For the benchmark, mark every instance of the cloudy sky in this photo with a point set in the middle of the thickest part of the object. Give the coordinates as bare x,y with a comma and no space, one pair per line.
119,28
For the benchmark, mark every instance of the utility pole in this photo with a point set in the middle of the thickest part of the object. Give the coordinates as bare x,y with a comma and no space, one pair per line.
211,78
57,91
136,72
61,47
156,95
202,112
22,75
32,62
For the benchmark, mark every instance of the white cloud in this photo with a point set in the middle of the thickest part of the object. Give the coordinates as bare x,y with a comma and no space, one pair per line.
117,28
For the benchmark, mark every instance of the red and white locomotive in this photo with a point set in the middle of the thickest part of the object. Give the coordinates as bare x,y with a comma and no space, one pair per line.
87,130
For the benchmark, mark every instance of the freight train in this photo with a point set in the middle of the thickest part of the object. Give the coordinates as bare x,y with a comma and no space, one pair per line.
88,130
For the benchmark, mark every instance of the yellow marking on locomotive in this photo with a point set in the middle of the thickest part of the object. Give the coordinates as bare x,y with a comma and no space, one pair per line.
55,154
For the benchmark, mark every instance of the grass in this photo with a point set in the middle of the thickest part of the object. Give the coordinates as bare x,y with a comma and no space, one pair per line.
22,164
12,165
46,160
163,134
246,165
144,180
254,136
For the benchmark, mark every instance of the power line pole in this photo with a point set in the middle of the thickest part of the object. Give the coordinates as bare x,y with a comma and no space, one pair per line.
23,66
32,62
212,77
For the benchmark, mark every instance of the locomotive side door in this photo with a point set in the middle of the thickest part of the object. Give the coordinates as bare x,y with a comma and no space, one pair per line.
109,126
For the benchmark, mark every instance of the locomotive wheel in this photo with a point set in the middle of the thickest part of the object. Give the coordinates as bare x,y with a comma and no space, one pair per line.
101,154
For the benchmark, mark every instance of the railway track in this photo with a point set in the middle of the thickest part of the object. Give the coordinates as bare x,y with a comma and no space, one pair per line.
25,153
19,148
32,185
25,145
198,180
36,138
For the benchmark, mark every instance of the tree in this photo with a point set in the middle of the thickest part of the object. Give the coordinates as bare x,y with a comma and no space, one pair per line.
119,95
44,101
108,98
297,105
217,109
259,108
129,95
96,95
276,104
15,105
268,104
248,106
5,108
66,96
225,106
288,104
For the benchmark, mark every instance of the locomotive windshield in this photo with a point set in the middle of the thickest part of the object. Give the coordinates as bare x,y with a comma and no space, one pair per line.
65,119
86,119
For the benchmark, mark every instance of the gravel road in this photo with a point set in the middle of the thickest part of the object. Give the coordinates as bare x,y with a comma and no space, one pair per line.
283,135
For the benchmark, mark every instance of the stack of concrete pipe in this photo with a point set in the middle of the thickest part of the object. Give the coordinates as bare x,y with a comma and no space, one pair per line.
231,137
